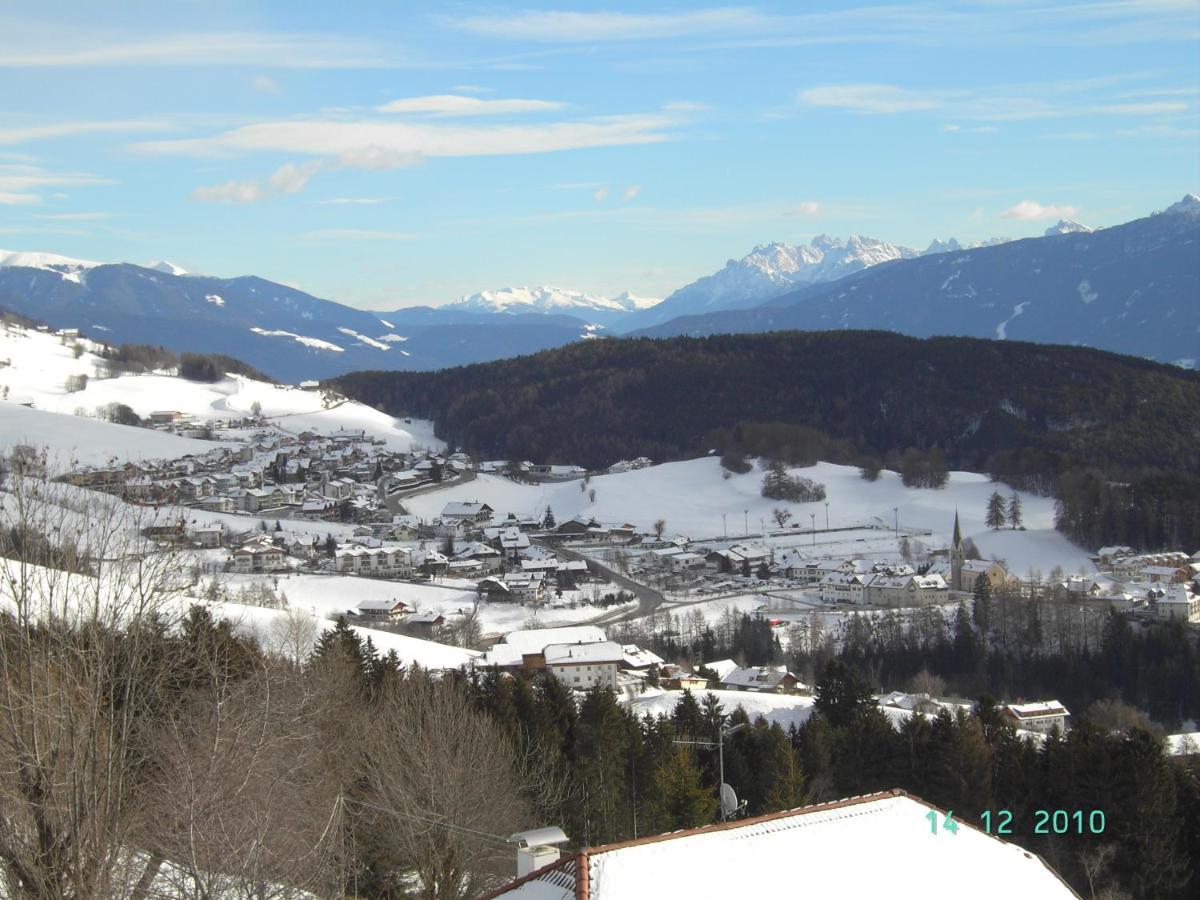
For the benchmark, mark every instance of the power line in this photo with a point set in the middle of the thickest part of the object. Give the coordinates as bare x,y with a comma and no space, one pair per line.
436,824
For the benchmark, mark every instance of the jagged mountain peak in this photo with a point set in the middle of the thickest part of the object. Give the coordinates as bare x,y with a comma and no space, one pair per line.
1188,206
1067,226
168,268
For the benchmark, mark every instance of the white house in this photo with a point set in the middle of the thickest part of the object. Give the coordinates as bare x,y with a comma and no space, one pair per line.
1042,717
582,666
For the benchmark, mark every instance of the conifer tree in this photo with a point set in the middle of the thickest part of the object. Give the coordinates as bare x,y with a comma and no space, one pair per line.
548,520
996,511
677,799
1015,520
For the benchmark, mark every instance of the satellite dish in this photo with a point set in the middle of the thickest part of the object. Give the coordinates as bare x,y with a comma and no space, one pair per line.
729,801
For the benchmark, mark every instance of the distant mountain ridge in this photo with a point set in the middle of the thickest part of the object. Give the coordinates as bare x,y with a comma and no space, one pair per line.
771,269
555,300
1131,288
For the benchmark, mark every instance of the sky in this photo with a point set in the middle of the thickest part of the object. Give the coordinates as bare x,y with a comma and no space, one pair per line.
388,155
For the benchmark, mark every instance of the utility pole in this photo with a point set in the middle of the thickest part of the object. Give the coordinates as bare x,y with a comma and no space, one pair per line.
826,515
813,516
724,527
746,522
896,513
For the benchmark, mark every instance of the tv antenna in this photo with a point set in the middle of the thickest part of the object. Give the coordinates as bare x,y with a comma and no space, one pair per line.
730,806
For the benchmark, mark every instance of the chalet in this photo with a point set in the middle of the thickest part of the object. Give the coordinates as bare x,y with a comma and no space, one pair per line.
165,416
428,622
989,570
754,857
381,610
576,527
763,680
207,536
634,657
257,558
843,587
1178,603
471,512
1042,717
512,541
683,681
583,665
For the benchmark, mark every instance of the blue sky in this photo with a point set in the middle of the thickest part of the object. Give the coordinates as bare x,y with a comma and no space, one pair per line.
387,154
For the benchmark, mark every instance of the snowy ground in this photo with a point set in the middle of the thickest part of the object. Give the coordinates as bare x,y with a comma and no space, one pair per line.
325,595
782,708
39,365
696,501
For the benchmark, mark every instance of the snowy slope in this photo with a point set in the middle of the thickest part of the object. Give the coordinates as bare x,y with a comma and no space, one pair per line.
692,497
775,708
39,365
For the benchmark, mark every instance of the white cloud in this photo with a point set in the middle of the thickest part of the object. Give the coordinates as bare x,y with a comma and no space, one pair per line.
18,179
265,84
805,208
601,26
60,48
458,105
290,178
630,192
8,198
601,194
1141,109
869,98
1032,211
70,129
685,106
229,192
473,89
950,128
382,144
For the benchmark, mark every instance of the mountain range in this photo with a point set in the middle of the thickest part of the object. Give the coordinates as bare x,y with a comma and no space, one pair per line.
1130,288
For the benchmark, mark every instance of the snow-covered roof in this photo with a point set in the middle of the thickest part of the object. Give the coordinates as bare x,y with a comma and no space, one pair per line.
583,653
1037,710
823,845
720,667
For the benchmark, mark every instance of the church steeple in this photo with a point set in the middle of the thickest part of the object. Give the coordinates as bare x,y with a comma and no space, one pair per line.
957,543
957,555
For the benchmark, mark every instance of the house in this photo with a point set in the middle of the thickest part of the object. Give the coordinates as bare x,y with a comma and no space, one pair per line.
428,622
258,558
843,587
634,657
1042,717
207,536
381,610
763,856
989,570
512,541
581,665
166,416
1178,603
469,511
509,653
906,590
763,680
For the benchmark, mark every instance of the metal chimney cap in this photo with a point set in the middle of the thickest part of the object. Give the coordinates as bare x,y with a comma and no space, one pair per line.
538,837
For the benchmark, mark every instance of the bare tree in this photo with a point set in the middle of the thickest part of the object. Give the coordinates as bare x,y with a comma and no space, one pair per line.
443,788
292,634
86,599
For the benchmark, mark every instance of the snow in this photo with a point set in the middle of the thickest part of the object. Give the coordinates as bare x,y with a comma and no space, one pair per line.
692,497
40,364
762,857
215,299
393,338
168,268
784,709
52,262
1086,294
90,441
313,342
548,299
363,339
1002,328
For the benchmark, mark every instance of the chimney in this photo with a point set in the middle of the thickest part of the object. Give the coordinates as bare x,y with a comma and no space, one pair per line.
537,848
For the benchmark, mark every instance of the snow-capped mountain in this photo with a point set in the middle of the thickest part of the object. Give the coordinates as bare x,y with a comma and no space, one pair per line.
771,269
282,331
551,300
1066,226
169,268
1130,288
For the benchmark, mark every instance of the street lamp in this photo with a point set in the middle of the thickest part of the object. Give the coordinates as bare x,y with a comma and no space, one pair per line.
813,516
826,515
896,513
724,527
745,521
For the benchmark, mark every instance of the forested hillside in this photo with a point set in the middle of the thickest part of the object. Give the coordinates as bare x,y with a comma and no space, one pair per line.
1028,413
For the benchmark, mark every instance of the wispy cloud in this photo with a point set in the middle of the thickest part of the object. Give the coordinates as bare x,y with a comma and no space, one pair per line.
10,198
62,48
19,182
361,234
567,26
290,178
381,144
804,208
601,194
76,217
265,84
630,192
20,135
922,24
869,98
1032,211
459,105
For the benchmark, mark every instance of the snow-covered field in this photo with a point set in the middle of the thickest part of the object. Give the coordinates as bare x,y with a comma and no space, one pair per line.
693,498
40,364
